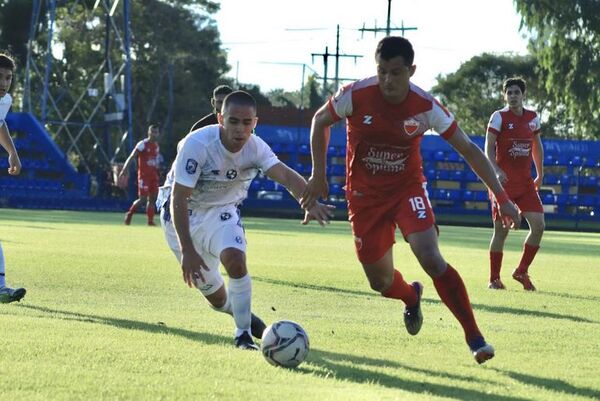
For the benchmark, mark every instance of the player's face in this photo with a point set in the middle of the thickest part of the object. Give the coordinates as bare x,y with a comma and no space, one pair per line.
238,123
514,97
6,76
153,133
394,76
217,102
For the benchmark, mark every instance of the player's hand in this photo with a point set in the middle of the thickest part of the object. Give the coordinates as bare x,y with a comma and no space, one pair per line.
510,215
317,187
319,212
192,265
14,164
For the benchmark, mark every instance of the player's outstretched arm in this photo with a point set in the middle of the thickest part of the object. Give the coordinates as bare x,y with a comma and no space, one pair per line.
482,167
490,153
191,262
132,156
14,164
319,141
296,184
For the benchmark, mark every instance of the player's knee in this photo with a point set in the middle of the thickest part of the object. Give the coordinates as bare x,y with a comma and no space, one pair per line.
234,262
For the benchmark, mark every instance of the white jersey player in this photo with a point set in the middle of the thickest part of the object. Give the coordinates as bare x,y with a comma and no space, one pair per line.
199,203
7,67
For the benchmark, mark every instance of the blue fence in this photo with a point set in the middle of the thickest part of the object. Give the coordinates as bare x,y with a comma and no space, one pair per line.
571,183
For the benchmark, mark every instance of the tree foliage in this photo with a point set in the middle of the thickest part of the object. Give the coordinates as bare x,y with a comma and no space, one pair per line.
566,44
174,39
474,91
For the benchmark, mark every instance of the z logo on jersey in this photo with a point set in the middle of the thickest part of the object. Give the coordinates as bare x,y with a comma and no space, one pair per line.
367,119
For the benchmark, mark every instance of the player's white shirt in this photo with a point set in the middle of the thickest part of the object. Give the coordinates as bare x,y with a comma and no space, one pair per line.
5,103
218,176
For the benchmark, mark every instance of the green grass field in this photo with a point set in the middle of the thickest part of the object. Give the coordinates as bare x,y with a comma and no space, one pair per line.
108,317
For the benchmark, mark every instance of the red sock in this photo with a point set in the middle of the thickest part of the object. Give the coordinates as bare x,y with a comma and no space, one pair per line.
529,252
150,214
132,209
453,293
495,265
400,289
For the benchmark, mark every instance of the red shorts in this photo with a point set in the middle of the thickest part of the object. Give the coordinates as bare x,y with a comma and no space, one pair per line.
525,197
147,185
374,219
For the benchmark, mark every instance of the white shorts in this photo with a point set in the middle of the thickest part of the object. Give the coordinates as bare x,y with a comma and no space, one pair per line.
213,230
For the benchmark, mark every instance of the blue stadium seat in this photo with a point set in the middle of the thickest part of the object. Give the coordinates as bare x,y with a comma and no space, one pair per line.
439,155
550,179
481,196
468,195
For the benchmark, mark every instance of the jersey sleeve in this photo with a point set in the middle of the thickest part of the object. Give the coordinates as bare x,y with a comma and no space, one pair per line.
266,158
441,120
4,107
495,124
188,163
340,104
140,146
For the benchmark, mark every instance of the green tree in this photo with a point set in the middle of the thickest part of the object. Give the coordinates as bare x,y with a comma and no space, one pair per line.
566,44
474,91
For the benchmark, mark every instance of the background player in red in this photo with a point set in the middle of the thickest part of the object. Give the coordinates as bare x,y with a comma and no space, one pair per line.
385,186
512,142
147,152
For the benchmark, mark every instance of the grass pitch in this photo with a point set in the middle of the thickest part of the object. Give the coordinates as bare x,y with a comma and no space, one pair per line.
108,317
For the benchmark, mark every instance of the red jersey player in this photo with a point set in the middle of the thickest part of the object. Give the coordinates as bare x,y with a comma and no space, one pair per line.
512,142
385,188
148,161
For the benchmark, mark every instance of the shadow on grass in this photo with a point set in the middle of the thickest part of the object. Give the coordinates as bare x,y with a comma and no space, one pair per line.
483,307
335,363
552,384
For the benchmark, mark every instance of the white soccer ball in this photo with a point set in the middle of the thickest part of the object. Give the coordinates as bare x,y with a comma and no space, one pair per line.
284,343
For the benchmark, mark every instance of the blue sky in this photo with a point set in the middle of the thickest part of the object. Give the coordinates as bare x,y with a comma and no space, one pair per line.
268,41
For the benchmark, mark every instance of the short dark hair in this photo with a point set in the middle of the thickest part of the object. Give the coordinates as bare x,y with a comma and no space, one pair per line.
6,61
153,126
240,98
393,46
222,90
520,82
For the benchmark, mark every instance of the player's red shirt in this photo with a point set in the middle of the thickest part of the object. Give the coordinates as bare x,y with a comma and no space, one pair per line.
148,159
514,140
383,144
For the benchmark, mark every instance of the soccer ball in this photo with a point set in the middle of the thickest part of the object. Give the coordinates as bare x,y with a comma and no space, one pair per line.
284,343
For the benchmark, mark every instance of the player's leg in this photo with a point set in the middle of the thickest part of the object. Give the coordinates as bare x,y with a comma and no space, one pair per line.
496,254
229,242
374,237
450,288
7,294
533,211
150,205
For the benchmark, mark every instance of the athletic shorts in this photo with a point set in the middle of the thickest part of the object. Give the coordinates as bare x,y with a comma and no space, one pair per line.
525,197
374,219
213,230
147,185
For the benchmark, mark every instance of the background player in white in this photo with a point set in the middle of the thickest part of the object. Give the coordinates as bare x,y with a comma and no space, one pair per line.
209,179
7,67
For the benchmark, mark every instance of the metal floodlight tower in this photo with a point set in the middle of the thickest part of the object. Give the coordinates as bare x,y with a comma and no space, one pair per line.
86,109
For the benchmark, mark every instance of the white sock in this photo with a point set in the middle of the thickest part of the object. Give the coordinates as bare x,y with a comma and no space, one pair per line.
2,278
240,293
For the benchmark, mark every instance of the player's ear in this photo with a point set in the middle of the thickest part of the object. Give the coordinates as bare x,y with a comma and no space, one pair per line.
412,69
255,123
220,119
